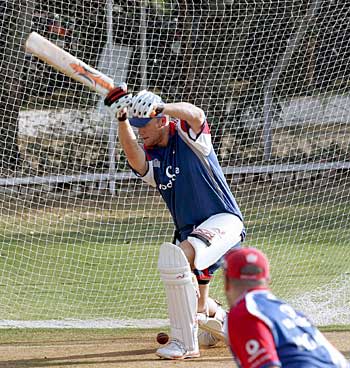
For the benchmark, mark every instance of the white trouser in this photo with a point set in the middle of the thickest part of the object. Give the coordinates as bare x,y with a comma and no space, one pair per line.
219,233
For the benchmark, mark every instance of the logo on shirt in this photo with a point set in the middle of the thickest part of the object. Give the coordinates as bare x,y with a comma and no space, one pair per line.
257,354
171,174
252,346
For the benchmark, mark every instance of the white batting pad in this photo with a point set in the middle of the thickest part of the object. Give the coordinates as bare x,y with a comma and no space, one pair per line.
175,272
223,231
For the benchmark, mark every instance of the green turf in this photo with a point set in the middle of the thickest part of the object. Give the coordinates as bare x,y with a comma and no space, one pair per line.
37,335
92,262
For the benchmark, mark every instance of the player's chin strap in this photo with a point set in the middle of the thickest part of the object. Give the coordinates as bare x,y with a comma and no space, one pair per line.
181,293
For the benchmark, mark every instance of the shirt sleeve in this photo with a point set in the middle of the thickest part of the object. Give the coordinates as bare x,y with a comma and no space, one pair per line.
148,177
251,341
200,142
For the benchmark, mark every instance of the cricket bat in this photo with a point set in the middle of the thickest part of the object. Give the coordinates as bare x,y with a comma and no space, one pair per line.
68,64
218,334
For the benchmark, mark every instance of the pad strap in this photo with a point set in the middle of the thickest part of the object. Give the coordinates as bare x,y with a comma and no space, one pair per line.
205,240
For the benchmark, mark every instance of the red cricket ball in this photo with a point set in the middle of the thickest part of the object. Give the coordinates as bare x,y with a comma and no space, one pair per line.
162,338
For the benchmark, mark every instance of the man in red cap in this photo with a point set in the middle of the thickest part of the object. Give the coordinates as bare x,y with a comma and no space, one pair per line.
263,331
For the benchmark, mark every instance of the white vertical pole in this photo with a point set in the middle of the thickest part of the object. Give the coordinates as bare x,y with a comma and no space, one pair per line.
143,44
112,134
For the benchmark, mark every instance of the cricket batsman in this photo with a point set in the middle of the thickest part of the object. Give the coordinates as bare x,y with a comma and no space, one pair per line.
178,159
263,331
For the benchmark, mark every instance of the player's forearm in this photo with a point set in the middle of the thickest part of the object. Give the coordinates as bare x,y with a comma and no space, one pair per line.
134,153
186,111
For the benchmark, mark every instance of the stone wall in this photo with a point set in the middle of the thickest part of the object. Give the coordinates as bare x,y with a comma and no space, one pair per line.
294,144
64,142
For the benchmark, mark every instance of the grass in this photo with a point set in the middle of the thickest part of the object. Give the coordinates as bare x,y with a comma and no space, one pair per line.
37,335
90,261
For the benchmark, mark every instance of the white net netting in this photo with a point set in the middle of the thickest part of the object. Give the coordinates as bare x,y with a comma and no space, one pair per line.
80,234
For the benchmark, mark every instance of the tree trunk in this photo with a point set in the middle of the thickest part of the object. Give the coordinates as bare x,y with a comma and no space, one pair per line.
15,20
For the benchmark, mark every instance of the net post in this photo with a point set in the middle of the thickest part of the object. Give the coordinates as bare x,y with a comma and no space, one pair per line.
143,44
112,132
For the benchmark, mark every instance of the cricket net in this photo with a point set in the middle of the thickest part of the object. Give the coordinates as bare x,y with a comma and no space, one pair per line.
80,234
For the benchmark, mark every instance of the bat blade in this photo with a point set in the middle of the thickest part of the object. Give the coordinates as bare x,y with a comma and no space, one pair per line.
218,334
68,64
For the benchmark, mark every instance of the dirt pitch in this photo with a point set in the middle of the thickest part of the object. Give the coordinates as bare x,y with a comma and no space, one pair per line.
107,349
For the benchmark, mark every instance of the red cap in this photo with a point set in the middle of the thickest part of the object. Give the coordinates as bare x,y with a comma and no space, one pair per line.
237,262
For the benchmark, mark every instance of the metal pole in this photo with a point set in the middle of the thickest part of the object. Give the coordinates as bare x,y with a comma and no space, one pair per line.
276,73
112,133
143,44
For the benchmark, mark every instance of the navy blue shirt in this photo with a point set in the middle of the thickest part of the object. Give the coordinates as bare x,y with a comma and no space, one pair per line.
189,178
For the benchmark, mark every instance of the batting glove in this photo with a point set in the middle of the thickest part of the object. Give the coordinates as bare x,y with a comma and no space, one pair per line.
144,104
118,99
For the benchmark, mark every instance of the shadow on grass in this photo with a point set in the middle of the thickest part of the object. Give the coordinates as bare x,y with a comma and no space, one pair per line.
129,357
76,359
